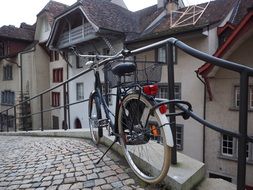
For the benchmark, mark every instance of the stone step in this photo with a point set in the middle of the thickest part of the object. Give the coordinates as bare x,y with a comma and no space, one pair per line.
217,184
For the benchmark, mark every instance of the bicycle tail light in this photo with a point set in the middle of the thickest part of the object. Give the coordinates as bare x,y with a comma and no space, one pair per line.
163,108
150,89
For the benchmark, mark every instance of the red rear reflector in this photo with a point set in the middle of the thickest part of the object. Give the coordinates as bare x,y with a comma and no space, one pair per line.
150,89
163,108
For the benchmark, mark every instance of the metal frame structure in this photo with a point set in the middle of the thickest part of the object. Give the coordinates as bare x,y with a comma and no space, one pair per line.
190,16
244,71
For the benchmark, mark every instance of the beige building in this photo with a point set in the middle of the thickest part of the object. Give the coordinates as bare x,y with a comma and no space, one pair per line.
202,36
56,64
223,104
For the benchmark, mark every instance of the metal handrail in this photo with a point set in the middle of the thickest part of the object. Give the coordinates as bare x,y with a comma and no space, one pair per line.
244,71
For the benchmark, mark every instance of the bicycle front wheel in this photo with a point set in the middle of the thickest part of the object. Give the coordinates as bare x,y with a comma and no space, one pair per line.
143,139
94,117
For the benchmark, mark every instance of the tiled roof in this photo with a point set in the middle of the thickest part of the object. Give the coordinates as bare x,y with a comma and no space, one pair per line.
240,11
25,32
107,15
53,9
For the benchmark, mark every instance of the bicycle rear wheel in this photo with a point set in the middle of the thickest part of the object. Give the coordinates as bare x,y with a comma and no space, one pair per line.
143,139
94,117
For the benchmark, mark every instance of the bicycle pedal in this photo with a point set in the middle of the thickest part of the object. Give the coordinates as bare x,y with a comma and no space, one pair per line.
103,123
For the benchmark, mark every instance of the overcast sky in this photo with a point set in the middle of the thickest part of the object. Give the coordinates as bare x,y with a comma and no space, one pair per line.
14,12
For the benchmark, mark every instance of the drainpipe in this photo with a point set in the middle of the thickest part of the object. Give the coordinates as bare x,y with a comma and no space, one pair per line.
68,65
204,116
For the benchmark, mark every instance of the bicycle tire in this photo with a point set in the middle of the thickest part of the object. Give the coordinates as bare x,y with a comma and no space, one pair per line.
149,157
94,117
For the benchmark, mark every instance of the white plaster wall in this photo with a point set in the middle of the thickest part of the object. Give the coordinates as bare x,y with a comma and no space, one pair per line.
80,111
43,28
192,90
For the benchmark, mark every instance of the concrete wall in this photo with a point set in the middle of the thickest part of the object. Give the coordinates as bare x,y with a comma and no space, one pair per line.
222,112
35,70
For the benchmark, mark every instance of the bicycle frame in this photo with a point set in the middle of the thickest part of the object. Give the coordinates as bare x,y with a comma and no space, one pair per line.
98,91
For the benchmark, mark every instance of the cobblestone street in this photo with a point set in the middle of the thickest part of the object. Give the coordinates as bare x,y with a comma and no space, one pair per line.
59,163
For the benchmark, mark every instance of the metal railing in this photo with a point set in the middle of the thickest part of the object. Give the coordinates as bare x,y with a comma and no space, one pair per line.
244,71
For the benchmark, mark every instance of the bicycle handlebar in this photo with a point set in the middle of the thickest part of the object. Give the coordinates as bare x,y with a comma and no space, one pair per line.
123,52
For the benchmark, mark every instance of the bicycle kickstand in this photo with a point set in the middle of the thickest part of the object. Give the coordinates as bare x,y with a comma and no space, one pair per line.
115,140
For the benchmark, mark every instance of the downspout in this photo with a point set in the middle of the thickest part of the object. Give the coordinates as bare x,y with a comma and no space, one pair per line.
68,64
204,116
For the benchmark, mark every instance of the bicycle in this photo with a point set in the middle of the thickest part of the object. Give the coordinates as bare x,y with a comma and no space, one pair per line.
140,124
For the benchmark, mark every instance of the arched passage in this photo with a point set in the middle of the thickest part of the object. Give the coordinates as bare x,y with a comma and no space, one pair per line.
78,124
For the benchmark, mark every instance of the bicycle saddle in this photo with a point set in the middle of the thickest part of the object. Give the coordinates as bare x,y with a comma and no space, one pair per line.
123,68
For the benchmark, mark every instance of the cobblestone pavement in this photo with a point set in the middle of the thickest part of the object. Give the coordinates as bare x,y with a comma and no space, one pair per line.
59,163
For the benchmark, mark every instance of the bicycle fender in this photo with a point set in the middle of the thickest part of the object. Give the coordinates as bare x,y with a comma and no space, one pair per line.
167,129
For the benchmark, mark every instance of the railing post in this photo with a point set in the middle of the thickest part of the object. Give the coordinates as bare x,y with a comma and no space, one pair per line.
7,120
1,122
171,96
65,106
15,117
23,116
41,113
243,121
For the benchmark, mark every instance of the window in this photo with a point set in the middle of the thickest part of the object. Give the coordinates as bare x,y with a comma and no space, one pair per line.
55,99
163,91
91,58
251,97
54,56
249,152
58,75
1,49
80,62
7,72
237,97
8,97
227,145
179,136
109,92
161,55
79,91
106,51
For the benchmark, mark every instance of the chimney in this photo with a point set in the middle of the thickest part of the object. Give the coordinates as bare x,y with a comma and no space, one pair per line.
172,5
161,3
169,5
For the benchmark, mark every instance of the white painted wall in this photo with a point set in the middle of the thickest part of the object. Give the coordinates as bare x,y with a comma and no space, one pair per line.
43,28
80,111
